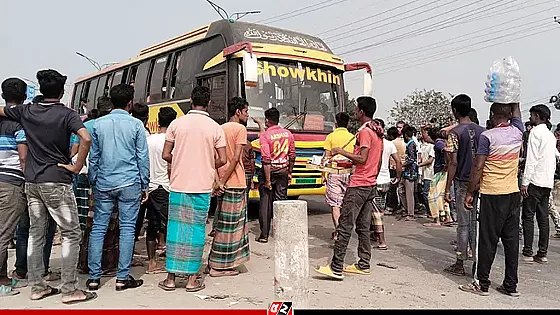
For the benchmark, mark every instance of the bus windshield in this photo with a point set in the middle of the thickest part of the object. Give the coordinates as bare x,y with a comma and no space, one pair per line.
307,96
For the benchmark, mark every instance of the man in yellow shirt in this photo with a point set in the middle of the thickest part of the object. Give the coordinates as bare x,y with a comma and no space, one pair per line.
337,183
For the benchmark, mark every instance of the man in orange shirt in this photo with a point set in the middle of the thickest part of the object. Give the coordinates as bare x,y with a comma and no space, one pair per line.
278,153
357,206
230,247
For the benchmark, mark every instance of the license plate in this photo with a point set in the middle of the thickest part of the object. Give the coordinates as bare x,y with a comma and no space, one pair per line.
306,180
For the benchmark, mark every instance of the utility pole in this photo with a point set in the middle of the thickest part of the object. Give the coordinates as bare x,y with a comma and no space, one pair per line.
225,16
95,63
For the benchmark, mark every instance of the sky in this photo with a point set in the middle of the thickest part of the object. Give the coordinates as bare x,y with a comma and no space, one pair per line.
446,45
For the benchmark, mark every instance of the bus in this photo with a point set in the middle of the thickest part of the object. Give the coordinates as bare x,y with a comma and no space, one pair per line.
270,67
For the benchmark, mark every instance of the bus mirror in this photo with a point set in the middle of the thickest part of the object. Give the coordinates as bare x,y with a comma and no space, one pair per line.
250,67
368,84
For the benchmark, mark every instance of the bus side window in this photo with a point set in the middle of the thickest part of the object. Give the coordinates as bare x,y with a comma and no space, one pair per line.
109,83
83,97
173,82
217,85
149,80
77,96
100,90
140,80
91,94
132,79
158,82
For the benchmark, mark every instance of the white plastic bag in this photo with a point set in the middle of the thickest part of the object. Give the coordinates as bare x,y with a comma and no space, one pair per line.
503,84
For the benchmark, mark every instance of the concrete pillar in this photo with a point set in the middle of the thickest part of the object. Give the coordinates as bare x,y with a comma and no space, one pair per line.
291,255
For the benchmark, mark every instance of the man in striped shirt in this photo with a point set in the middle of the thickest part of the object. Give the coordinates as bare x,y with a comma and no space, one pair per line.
13,151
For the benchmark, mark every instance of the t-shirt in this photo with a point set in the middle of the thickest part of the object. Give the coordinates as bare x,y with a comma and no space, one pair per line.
338,138
501,145
427,151
365,174
401,150
463,140
196,137
158,166
48,128
236,134
410,170
277,147
76,140
11,135
439,160
389,149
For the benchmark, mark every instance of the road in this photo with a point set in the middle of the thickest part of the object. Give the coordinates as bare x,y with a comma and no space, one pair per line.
420,254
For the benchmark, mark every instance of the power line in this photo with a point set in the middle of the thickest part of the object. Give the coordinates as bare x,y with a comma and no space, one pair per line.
312,8
291,12
346,35
366,18
452,40
385,71
345,14
402,27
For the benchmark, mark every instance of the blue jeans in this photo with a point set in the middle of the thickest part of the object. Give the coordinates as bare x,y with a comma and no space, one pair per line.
426,193
128,202
22,236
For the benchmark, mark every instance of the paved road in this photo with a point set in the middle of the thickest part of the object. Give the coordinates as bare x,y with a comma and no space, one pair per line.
420,254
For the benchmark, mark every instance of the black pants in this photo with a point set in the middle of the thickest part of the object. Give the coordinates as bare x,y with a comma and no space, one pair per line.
357,208
499,219
140,221
392,197
279,191
536,203
157,212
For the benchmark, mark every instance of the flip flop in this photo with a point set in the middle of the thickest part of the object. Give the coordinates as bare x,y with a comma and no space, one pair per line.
90,296
162,286
7,290
200,286
228,273
156,272
454,271
53,292
382,247
432,224
263,240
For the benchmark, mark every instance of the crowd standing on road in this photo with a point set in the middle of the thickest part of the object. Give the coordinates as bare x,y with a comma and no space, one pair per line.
96,180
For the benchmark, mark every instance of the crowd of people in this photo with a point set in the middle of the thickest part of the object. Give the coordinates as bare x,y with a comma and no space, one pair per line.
488,182
98,179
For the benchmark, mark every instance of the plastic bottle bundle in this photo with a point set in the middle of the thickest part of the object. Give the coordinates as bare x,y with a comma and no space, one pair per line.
503,84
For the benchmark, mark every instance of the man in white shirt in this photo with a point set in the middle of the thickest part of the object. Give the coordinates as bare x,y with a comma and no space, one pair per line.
538,181
426,165
158,198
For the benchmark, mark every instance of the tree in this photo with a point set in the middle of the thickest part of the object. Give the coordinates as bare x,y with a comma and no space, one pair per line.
420,107
350,105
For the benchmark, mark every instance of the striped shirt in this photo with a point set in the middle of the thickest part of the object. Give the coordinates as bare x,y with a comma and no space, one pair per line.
501,145
11,134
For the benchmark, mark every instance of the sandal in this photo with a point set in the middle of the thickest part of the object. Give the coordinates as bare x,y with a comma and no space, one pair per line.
433,224
156,271
7,290
52,276
225,273
262,239
199,286
454,270
379,247
89,296
129,283
93,284
164,287
409,218
53,292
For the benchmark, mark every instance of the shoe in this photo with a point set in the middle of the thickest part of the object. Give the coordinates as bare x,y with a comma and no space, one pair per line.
528,259
52,276
356,270
503,290
474,288
540,260
129,283
327,271
556,236
93,284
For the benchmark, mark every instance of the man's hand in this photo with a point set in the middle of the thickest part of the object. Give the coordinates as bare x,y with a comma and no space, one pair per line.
448,198
268,185
525,191
395,181
289,179
70,167
145,196
336,151
256,120
468,201
219,188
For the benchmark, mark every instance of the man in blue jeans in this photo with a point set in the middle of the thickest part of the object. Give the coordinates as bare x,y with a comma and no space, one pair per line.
119,172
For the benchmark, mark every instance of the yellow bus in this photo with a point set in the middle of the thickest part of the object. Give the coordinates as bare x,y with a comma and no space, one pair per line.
294,72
